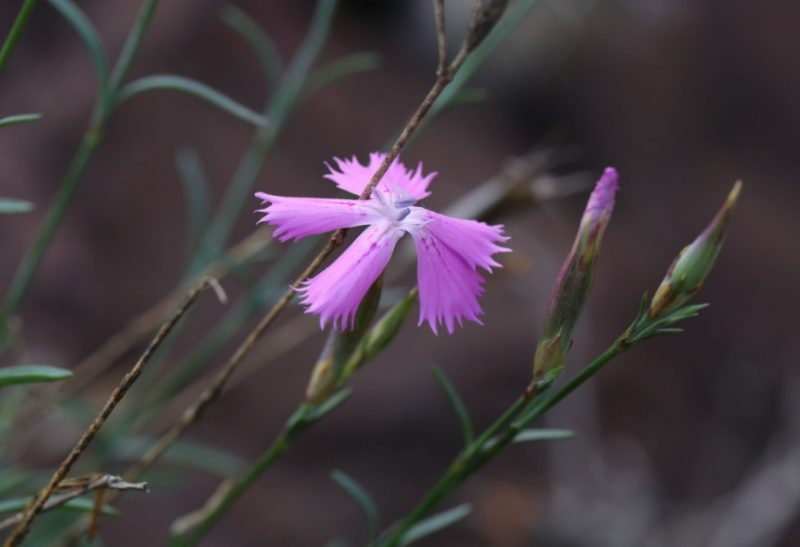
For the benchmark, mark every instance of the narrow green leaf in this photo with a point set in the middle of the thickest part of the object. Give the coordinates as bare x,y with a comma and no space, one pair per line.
24,13
434,524
479,56
81,505
457,403
259,40
319,412
81,24
281,105
26,374
361,498
669,330
12,477
533,435
470,95
686,312
197,89
14,206
196,189
205,458
343,67
20,118
186,454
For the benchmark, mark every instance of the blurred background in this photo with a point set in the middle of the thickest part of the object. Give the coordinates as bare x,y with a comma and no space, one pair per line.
689,441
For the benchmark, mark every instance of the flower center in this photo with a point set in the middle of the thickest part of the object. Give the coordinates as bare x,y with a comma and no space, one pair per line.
394,202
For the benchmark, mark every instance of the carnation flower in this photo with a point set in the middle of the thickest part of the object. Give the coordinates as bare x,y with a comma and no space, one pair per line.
449,250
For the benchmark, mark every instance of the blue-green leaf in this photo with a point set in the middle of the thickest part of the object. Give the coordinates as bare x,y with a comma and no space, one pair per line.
259,40
341,68
532,435
456,402
361,498
88,35
197,89
434,524
14,206
19,118
330,404
26,374
198,196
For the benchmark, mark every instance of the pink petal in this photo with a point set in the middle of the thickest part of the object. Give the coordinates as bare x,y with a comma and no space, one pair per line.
353,177
301,217
336,292
601,201
449,251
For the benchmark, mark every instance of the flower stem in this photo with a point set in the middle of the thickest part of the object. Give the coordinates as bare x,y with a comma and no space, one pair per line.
300,421
484,449
103,109
23,15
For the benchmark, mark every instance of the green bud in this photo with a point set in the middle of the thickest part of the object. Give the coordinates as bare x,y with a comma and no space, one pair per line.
380,335
575,280
689,270
340,347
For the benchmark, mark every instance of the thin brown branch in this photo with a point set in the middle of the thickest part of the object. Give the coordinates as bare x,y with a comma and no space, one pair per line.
138,328
103,482
116,396
214,390
132,334
441,36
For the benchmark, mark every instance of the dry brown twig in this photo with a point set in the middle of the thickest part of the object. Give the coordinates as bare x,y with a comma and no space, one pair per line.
38,502
138,328
484,18
102,482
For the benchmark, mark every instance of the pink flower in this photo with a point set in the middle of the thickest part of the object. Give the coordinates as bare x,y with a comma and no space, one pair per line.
449,250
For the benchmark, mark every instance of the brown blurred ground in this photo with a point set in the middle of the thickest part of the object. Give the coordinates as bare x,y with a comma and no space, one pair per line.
683,98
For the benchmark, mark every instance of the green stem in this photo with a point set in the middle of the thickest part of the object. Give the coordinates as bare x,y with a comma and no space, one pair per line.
587,372
488,445
52,220
23,15
131,46
279,446
286,97
91,138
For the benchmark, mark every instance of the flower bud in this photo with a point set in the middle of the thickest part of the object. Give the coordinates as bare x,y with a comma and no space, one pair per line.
575,280
689,270
340,347
381,334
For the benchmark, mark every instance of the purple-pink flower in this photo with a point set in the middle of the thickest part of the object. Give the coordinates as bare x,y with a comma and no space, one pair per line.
449,250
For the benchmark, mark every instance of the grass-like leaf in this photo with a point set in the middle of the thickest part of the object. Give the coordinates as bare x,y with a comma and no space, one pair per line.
198,196
173,82
259,40
28,374
499,33
434,524
361,498
78,20
19,118
533,435
330,404
187,454
341,68
24,13
281,106
81,505
12,477
457,403
14,206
